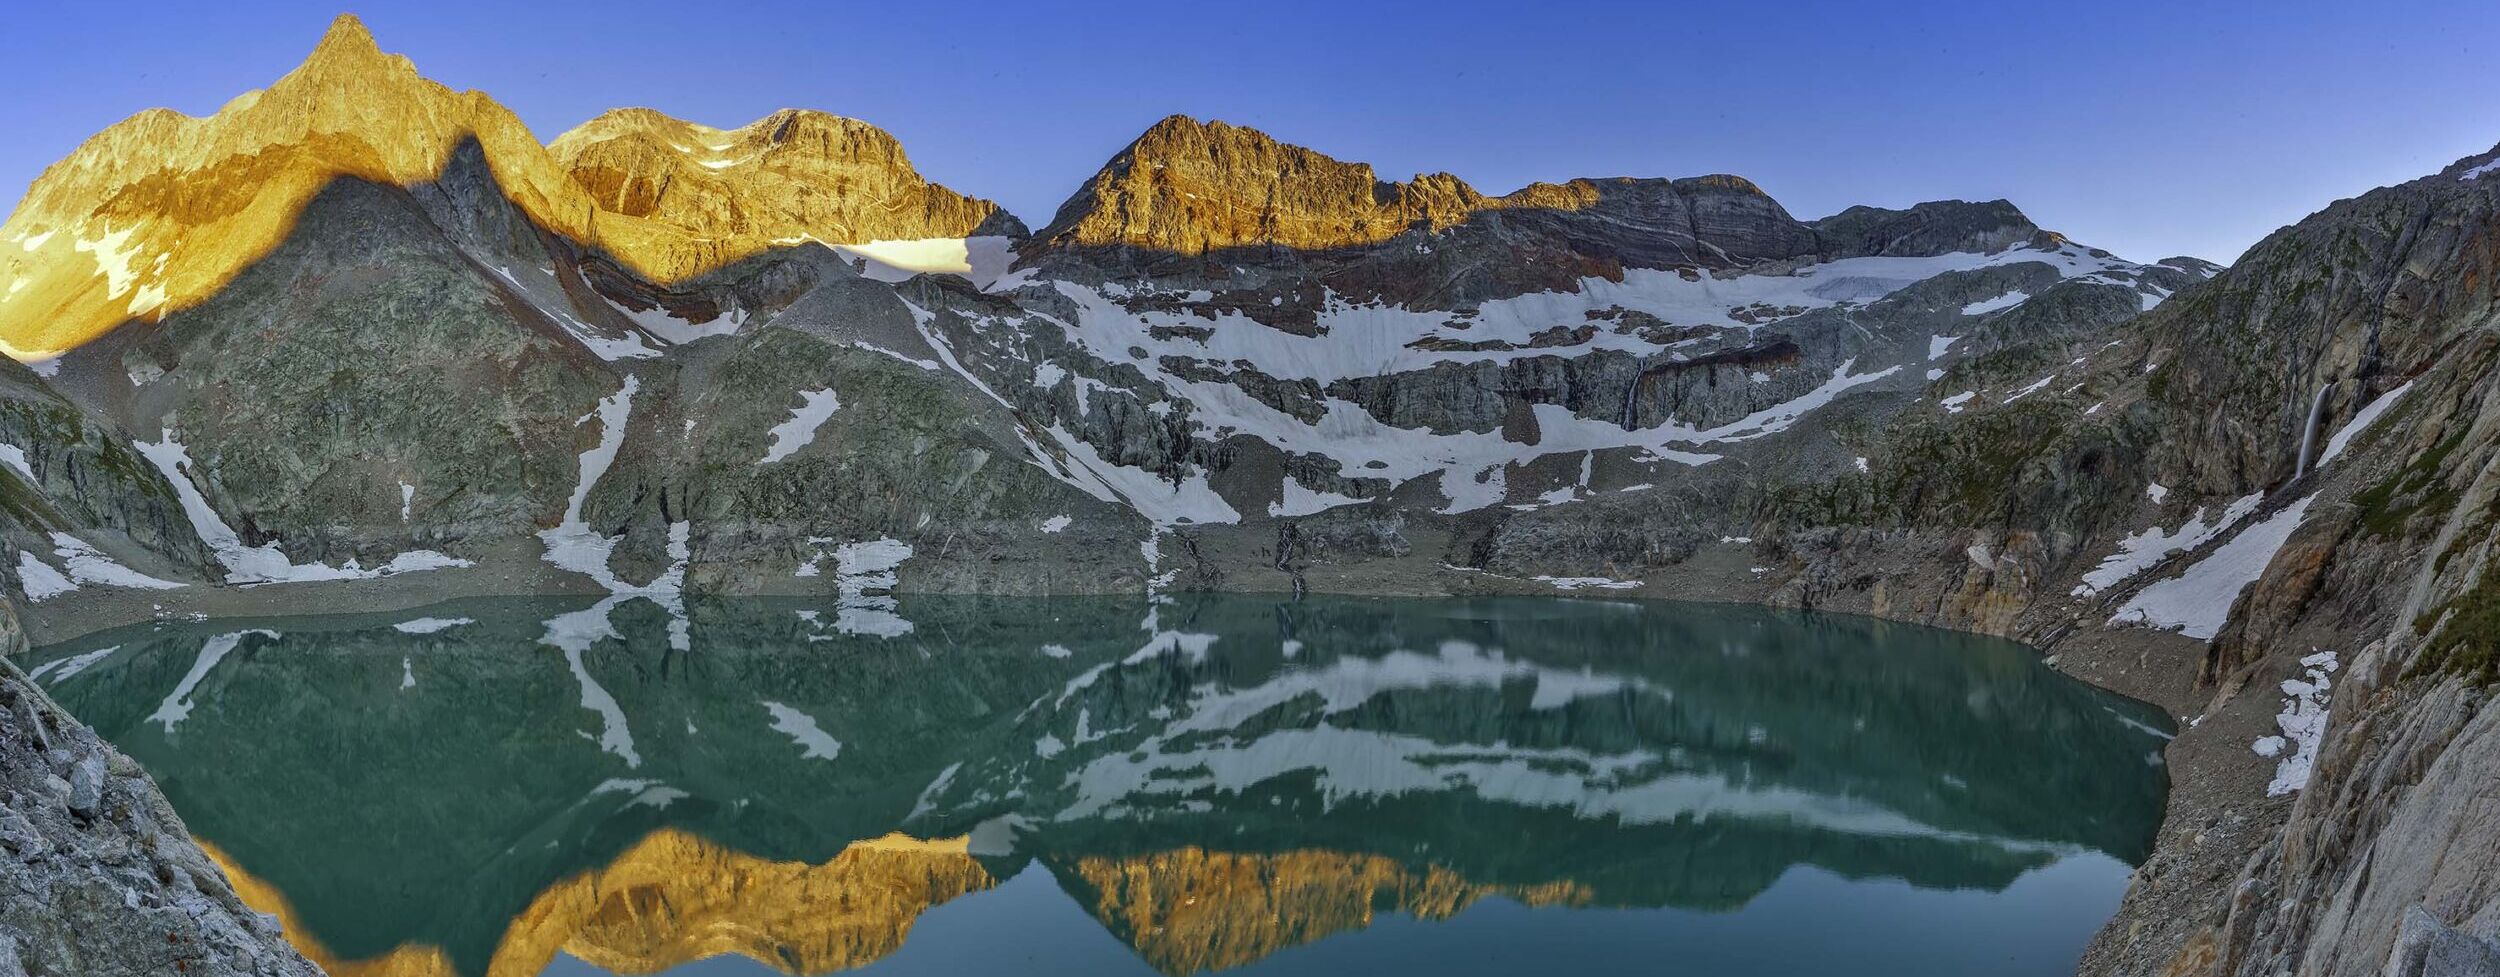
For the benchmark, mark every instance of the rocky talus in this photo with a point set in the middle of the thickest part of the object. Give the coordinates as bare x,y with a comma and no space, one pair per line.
100,876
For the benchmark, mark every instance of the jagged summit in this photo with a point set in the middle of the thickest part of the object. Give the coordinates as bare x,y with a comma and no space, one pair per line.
159,211
1186,187
769,178
346,41
1934,227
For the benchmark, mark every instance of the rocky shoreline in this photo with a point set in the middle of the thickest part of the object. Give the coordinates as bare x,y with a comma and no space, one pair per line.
101,877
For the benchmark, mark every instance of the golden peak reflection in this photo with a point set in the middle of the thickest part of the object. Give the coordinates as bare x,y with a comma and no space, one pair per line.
1261,778
1192,910
674,898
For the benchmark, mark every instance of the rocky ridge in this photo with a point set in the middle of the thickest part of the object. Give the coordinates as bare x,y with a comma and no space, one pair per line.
790,176
160,211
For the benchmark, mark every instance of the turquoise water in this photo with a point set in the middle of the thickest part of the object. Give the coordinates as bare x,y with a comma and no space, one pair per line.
1103,786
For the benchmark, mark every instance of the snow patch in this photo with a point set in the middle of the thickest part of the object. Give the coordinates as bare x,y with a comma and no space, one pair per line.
2198,602
572,544
39,580
813,743
86,564
2001,302
981,260
177,705
2361,421
864,580
2303,722
431,625
2139,551
60,670
800,430
2032,389
550,300
266,563
1301,501
678,332
15,457
930,365
1594,583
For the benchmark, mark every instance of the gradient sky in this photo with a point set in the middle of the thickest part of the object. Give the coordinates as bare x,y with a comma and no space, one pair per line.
2150,129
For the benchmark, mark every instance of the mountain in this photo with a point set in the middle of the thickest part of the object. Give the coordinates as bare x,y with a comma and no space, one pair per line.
1189,188
790,176
1188,198
358,325
162,210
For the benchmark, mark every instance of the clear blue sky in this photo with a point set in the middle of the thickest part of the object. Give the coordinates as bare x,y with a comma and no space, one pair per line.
2147,128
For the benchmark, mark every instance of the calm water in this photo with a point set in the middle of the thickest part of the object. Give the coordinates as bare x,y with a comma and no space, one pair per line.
1113,787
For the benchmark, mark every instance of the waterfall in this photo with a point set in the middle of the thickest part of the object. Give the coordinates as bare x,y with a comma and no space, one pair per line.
2309,430
1632,400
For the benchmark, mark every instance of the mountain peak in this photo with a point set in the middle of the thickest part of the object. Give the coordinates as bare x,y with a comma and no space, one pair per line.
793,174
346,40
1186,186
1933,227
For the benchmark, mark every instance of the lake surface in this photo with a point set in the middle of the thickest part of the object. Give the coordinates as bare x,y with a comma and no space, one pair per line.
509,788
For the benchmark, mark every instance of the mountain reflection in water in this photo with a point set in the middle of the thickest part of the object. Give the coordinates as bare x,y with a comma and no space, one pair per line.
510,787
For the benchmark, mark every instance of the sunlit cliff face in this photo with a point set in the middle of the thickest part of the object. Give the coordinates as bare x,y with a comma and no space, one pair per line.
1190,187
159,211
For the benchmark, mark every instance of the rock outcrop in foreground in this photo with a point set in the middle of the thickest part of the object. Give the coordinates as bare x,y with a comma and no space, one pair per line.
98,877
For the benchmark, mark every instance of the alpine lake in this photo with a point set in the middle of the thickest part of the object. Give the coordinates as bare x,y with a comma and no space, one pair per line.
516,787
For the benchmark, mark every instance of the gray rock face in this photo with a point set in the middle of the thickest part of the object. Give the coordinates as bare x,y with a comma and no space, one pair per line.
86,786
2426,947
1937,227
102,878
